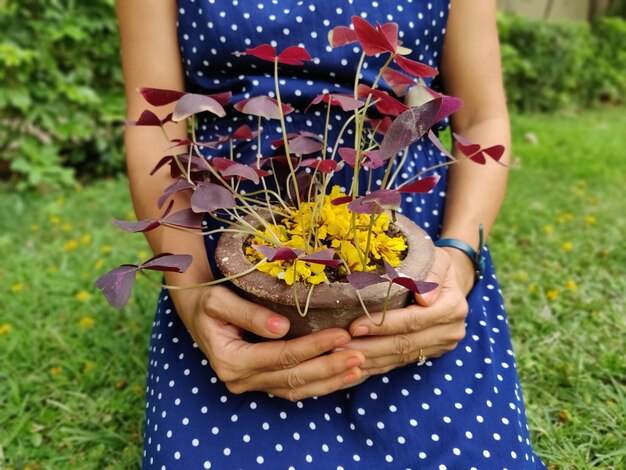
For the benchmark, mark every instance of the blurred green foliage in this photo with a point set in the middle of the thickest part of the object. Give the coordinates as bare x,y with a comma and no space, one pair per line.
61,96
551,66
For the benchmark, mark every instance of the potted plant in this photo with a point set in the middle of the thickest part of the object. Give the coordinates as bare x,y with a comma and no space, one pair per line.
291,240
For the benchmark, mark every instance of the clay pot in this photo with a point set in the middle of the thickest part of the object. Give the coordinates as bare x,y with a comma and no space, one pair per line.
331,305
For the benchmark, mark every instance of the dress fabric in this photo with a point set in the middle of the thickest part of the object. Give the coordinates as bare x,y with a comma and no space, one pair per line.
463,410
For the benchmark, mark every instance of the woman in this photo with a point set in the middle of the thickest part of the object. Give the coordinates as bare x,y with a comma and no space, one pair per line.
217,401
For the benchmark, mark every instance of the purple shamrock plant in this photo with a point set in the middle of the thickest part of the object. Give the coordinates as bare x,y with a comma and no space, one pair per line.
310,227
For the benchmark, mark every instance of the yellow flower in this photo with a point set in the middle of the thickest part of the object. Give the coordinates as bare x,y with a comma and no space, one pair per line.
15,288
82,296
567,246
138,389
88,367
106,249
5,328
55,219
548,229
571,285
552,294
56,371
98,263
142,254
60,201
590,220
34,228
562,218
67,227
520,276
86,322
532,288
70,245
85,239
53,269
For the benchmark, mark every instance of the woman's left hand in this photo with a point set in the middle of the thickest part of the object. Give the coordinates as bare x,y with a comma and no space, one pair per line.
429,329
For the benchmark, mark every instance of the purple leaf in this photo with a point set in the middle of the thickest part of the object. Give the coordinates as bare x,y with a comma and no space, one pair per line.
495,152
325,166
419,287
415,68
360,280
185,218
341,200
348,155
325,257
360,207
244,133
117,284
209,197
408,127
175,187
391,273
229,168
167,262
385,198
160,97
423,185
191,104
147,118
139,226
284,253
301,145
263,106
399,82
435,140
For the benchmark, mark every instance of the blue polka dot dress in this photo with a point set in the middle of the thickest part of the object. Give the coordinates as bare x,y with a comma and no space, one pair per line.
463,410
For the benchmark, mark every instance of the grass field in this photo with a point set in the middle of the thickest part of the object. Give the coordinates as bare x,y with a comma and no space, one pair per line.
72,368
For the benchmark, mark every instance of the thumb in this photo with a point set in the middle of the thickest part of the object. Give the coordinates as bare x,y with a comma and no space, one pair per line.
223,304
437,274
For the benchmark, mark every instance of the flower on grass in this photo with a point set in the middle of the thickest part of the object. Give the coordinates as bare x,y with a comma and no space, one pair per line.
70,245
5,328
85,239
34,228
571,285
88,367
590,220
532,288
67,227
142,254
98,263
106,249
86,322
16,288
60,201
138,389
56,371
548,229
55,220
567,246
552,294
562,218
82,296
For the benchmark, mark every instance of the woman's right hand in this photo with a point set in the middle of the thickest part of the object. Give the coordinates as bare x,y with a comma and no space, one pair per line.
217,318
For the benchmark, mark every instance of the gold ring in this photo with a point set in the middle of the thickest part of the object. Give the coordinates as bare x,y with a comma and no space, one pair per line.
421,359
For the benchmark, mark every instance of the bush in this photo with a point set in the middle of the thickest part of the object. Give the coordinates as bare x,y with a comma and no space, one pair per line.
61,99
550,66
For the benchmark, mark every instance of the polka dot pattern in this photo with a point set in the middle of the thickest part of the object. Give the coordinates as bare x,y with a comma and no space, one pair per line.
463,410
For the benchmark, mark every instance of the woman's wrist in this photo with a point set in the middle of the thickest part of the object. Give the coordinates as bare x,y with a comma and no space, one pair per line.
464,268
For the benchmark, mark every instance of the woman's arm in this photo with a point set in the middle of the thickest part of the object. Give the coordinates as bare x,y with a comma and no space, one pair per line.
471,67
471,70
214,316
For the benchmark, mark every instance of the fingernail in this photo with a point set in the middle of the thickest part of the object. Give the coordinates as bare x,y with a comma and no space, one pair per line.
342,341
277,324
361,331
354,362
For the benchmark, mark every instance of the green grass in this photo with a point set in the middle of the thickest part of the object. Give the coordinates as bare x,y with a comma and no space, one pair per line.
72,368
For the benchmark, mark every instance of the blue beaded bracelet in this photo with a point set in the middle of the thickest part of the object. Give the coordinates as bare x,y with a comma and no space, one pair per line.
476,257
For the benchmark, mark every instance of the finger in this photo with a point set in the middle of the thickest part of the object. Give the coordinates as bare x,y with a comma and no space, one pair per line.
223,304
314,370
279,355
405,348
438,273
321,387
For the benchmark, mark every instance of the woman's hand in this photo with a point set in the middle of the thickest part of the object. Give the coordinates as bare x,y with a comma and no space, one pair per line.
295,369
429,329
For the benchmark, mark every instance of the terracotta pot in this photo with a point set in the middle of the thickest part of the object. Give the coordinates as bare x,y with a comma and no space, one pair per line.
331,305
